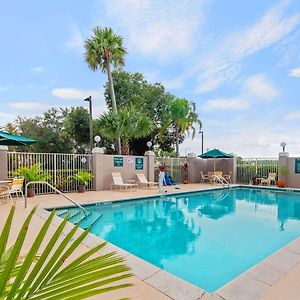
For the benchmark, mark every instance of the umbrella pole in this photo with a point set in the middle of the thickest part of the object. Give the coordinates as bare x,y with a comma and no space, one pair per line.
214,165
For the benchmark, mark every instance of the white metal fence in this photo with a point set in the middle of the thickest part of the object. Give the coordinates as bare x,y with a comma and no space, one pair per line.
247,168
58,166
174,167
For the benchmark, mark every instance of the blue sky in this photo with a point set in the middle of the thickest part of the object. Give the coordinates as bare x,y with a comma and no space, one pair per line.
238,60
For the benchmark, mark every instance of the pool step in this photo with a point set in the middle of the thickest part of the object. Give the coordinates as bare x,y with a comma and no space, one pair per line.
62,213
90,219
78,217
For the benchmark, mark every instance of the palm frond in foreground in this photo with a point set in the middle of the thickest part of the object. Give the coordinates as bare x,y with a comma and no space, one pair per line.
51,275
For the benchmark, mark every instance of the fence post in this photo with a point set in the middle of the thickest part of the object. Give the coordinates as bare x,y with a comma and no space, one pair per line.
3,162
283,161
98,171
151,164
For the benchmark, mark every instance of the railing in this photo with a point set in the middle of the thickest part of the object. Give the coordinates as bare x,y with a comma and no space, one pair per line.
247,168
174,167
59,167
54,189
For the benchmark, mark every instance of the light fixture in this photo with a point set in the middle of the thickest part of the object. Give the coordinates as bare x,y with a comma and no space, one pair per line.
149,144
97,139
283,145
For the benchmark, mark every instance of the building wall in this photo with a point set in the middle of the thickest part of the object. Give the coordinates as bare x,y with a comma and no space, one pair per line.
293,179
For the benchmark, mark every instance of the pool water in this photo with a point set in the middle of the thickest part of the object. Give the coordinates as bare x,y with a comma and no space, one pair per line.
206,238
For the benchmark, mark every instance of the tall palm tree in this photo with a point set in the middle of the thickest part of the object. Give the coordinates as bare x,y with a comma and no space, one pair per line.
182,118
128,123
102,49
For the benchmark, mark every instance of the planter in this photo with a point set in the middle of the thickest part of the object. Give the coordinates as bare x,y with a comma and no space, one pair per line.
30,192
185,180
81,189
281,183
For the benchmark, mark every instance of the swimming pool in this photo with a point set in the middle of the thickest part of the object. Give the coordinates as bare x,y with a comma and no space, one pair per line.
206,238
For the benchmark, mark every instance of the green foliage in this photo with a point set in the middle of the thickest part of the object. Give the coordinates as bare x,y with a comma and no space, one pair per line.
128,123
104,47
33,173
51,275
283,170
181,117
77,125
83,177
133,89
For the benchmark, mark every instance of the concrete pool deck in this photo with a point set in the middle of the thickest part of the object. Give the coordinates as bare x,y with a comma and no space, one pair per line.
276,277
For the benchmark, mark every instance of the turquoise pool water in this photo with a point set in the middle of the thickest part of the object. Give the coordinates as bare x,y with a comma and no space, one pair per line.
206,238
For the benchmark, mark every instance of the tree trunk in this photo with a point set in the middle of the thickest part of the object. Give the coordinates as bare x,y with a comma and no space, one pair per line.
177,142
113,98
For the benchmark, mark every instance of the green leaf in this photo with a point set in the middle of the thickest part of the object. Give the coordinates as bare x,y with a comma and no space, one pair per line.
15,252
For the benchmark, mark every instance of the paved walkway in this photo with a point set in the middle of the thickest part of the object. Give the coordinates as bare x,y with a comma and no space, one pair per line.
287,288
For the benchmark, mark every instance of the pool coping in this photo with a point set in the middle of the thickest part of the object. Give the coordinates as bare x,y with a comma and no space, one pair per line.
250,284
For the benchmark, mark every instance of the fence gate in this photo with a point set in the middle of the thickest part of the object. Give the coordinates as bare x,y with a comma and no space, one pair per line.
174,167
59,167
247,168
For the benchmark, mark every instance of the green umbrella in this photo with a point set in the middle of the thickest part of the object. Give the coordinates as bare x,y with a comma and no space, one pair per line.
215,153
14,140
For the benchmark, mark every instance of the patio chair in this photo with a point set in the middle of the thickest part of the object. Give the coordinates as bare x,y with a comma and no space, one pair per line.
269,180
143,181
118,183
228,177
204,178
16,187
4,192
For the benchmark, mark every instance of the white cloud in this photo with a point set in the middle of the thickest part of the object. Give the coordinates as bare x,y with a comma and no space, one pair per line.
6,117
3,88
29,105
295,72
160,29
222,64
75,94
38,69
293,116
259,86
226,104
98,110
76,40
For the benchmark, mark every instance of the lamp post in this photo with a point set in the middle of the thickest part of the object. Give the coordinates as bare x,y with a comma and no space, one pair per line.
283,145
149,144
89,99
201,131
97,139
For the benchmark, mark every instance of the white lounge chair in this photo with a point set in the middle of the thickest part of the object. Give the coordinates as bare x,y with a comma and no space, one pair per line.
143,181
118,183
271,179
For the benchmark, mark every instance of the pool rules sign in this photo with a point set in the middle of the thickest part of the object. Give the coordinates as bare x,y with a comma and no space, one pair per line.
139,163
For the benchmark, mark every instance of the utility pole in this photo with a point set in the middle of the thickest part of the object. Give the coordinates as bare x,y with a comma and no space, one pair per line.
89,99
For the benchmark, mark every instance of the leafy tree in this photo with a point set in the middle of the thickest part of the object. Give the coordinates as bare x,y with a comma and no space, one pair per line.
128,123
102,49
181,118
76,126
133,89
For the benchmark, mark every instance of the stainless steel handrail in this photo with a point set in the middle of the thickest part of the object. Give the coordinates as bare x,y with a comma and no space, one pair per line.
55,189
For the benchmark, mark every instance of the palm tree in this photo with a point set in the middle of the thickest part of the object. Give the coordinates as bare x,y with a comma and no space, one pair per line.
101,50
128,123
182,117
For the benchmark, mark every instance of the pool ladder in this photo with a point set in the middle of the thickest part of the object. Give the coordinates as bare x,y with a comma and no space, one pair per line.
56,190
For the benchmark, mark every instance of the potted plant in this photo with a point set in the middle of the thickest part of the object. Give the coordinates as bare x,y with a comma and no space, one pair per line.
83,178
33,173
283,172
185,167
